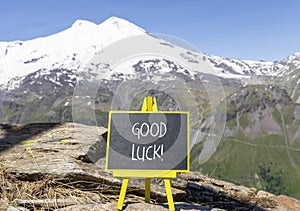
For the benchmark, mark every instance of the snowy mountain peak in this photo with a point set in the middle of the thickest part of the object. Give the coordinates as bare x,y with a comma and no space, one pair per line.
294,58
120,23
69,49
297,54
83,23
114,19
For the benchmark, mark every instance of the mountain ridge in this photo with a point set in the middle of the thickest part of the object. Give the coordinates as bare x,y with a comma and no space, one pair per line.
73,47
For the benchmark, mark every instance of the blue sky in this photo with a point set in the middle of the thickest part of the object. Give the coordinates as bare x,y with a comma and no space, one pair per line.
243,29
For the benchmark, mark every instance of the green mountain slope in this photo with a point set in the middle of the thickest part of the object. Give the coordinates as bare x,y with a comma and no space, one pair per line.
261,142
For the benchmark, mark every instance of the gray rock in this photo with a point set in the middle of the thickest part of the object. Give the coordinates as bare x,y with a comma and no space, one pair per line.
95,152
57,153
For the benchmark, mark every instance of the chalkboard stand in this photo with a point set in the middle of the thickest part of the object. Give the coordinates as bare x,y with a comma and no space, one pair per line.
149,104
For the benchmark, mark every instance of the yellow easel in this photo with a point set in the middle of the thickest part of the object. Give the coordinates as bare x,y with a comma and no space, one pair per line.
149,104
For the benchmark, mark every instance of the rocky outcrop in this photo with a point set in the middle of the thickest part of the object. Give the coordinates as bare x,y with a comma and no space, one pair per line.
46,166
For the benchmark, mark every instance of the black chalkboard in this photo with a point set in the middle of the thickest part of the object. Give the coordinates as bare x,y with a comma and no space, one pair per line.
148,141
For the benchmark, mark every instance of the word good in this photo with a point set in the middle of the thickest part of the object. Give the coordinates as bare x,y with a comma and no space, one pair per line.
145,129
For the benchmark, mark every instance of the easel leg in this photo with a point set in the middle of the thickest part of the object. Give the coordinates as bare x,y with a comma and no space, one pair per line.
122,193
169,194
147,190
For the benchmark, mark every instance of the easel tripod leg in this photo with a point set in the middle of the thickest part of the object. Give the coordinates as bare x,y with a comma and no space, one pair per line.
147,190
122,193
169,194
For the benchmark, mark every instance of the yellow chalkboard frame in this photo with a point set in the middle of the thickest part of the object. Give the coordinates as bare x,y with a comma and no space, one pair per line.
147,173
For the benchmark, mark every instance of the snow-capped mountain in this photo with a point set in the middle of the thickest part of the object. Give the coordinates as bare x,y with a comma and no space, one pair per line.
236,67
69,49
72,48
